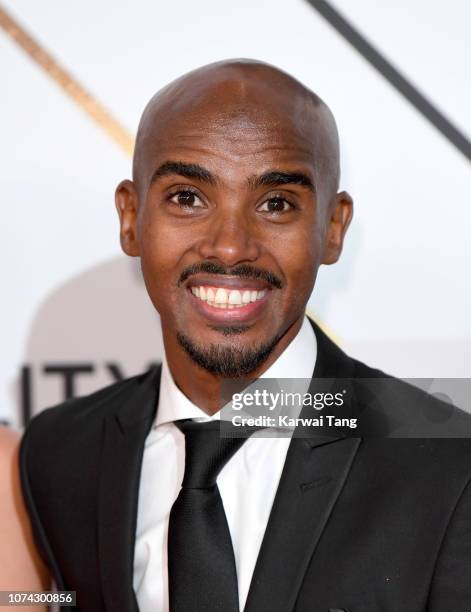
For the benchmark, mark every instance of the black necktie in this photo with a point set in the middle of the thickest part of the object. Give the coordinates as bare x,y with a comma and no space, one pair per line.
201,566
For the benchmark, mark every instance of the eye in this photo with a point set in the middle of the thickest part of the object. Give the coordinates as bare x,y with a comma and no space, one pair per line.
186,198
275,205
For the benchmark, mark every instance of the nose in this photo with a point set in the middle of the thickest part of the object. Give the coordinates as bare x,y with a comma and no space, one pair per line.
230,237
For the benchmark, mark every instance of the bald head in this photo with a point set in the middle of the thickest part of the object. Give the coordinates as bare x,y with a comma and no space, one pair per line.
244,101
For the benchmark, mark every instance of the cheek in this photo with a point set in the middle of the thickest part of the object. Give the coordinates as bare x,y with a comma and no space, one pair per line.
299,257
161,250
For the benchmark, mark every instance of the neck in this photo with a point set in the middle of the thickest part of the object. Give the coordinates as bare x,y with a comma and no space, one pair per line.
204,388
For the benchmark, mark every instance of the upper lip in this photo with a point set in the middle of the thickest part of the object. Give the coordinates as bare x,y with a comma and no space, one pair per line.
226,281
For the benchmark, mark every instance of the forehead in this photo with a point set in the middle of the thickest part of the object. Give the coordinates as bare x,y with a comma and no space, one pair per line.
231,136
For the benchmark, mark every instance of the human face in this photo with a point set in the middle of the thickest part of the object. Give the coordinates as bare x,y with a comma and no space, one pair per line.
230,228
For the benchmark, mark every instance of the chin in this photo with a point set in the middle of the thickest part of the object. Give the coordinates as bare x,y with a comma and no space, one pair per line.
226,358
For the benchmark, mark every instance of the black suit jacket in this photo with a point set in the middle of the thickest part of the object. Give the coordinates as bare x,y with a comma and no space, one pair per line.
362,524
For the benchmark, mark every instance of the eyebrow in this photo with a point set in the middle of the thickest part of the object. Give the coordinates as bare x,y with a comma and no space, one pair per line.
273,178
191,171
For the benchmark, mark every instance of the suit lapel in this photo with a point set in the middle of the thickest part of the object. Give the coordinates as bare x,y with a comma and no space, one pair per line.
313,476
312,479
125,431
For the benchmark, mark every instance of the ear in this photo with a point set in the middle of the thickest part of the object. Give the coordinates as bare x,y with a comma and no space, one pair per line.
341,212
126,200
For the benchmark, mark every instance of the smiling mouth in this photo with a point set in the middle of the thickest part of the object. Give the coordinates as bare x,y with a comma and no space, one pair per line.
225,298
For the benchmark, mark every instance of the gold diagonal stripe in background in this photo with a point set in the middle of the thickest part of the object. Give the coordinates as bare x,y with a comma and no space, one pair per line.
94,109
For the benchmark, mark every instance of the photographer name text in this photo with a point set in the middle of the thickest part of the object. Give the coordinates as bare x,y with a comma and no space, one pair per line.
280,421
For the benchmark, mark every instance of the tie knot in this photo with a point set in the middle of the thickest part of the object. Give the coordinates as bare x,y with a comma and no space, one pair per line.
206,452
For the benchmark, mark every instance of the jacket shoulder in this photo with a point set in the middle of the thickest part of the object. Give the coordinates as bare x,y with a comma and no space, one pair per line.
85,413
411,411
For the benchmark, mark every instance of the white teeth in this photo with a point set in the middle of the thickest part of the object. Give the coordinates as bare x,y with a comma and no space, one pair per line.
246,297
235,297
221,296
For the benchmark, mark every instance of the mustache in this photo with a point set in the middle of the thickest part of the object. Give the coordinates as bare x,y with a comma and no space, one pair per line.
243,270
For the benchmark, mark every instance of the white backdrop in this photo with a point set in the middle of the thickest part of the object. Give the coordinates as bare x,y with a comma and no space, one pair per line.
399,299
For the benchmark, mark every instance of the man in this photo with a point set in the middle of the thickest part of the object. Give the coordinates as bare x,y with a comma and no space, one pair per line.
135,503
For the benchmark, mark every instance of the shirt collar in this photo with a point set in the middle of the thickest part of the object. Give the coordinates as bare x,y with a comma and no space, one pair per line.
296,361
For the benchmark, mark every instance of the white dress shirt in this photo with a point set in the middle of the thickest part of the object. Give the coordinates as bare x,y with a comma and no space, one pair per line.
247,483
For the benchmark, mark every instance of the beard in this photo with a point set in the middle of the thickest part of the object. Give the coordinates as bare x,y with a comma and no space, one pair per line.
227,361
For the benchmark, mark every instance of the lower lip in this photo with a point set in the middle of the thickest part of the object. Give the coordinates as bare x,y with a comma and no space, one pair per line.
244,314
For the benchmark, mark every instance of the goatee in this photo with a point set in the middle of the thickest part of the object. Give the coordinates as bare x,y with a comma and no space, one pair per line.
227,361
